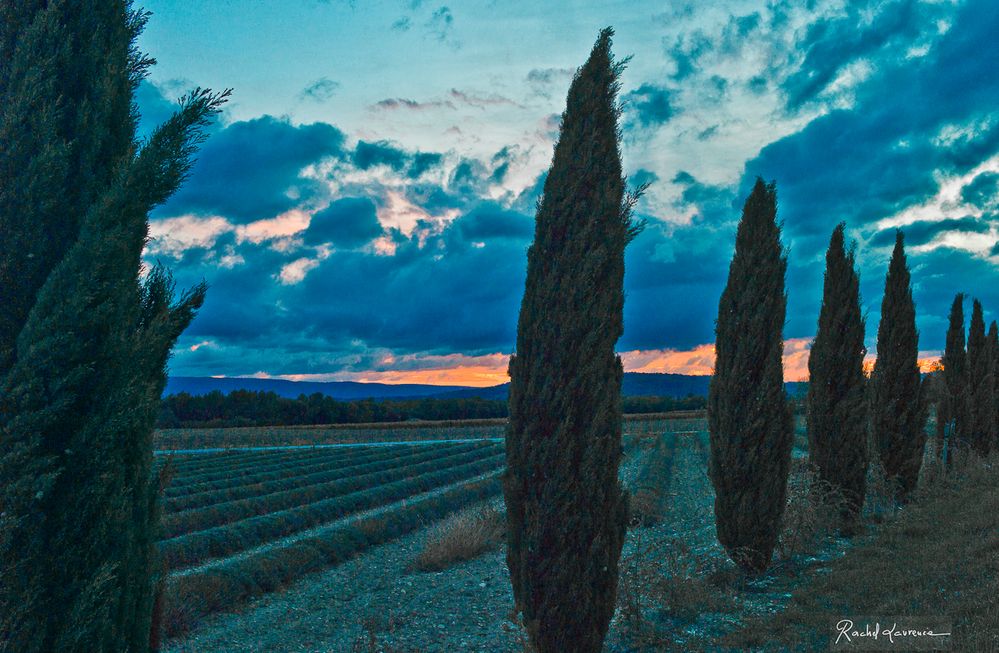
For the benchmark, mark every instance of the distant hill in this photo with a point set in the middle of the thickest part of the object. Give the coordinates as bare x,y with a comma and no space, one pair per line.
344,390
635,384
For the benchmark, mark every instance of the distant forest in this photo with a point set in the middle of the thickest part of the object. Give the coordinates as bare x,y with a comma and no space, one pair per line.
250,408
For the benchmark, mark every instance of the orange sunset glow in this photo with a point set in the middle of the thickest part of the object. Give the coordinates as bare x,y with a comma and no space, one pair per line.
490,369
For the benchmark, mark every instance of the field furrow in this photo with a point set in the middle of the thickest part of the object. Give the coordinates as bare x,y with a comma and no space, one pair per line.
194,548
317,487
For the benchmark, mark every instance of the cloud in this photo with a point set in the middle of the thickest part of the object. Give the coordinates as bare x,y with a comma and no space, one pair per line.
320,90
686,52
251,170
983,191
154,108
543,81
866,29
395,104
383,153
440,25
700,360
650,105
347,222
481,101
922,232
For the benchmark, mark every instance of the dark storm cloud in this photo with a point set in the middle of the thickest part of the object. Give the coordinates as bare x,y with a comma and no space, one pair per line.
642,176
413,164
686,52
347,222
674,273
650,105
912,121
469,177
924,231
830,45
983,191
937,276
447,288
868,162
250,170
489,222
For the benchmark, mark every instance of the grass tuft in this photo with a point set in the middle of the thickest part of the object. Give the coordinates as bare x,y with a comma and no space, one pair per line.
463,536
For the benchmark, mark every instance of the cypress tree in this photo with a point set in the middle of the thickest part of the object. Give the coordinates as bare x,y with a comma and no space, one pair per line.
67,72
80,386
993,349
566,510
837,419
981,384
955,372
898,411
749,417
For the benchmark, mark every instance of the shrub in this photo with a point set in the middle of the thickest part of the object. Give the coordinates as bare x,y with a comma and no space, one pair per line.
815,508
462,536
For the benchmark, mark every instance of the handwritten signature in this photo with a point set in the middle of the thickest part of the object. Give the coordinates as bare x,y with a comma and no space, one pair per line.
847,631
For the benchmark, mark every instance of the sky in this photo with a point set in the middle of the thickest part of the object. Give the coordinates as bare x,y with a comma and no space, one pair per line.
362,209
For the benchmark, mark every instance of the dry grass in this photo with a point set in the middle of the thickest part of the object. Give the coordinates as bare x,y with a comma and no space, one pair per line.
937,557
462,536
812,514
665,578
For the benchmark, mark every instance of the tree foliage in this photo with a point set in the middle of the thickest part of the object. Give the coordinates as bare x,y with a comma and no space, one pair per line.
566,509
981,384
898,409
955,372
83,352
749,418
837,415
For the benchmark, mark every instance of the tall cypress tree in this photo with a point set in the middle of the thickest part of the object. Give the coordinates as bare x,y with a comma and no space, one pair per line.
993,349
82,376
67,71
566,510
837,415
749,417
955,373
981,384
898,411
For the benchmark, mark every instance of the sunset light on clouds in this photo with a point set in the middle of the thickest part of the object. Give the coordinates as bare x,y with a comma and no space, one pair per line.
363,209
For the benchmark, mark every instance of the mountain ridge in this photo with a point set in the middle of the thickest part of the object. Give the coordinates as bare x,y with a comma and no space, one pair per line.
633,384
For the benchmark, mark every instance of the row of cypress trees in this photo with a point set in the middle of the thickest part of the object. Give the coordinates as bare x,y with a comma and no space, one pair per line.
968,403
566,510
749,419
84,335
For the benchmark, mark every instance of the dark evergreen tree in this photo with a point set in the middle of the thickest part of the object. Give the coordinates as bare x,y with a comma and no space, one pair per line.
67,71
981,385
749,417
85,349
566,510
993,349
837,410
955,373
898,410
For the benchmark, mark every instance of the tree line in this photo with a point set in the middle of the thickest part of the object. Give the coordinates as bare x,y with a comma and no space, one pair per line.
267,408
566,509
